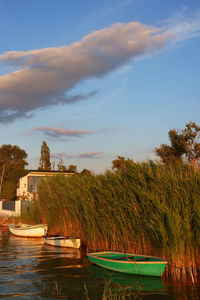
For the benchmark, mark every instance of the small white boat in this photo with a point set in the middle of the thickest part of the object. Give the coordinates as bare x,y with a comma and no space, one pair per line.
26,230
61,241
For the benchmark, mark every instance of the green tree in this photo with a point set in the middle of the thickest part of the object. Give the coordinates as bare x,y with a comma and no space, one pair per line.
175,151
61,167
72,169
45,163
53,166
192,142
12,166
184,144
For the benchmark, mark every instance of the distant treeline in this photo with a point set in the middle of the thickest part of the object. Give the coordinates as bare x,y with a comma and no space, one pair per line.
147,208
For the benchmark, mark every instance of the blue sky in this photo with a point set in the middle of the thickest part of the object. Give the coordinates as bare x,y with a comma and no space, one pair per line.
97,79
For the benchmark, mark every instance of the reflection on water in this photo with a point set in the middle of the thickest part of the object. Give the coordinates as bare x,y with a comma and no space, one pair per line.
63,252
143,283
30,269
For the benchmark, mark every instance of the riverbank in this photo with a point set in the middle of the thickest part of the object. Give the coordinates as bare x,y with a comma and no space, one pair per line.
5,220
144,208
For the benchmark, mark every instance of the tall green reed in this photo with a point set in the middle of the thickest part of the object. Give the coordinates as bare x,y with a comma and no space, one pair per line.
146,207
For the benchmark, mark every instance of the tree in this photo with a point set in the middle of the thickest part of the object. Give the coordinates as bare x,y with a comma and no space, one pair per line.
45,163
53,166
72,169
173,153
12,166
61,167
192,142
184,144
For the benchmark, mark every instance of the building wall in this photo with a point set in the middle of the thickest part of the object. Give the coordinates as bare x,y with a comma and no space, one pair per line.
16,212
22,187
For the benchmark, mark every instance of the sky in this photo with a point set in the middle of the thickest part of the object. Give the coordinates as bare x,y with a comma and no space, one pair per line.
97,79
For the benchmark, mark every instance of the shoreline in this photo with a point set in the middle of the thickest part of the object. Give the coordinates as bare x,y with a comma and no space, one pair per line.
178,274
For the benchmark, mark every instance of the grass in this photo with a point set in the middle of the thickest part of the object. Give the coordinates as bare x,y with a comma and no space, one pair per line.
29,212
116,292
145,208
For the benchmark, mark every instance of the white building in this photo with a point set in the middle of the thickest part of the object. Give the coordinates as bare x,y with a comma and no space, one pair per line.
27,185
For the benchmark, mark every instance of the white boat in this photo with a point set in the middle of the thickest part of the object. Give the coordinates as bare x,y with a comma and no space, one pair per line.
61,241
26,230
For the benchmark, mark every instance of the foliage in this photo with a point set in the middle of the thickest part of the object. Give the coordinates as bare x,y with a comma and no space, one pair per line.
192,141
184,144
61,167
147,208
120,293
53,166
12,166
173,153
117,292
29,212
72,169
45,163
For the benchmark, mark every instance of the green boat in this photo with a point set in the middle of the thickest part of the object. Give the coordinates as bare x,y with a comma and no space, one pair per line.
129,263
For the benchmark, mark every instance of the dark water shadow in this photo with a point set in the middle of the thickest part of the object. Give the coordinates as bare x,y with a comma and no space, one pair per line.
142,283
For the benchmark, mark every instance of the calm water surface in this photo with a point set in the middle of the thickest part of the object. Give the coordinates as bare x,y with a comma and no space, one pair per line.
30,269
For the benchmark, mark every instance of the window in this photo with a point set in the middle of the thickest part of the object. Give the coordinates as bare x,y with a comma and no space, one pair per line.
33,182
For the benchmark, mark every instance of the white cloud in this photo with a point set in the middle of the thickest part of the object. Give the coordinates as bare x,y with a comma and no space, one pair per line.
124,69
183,27
45,76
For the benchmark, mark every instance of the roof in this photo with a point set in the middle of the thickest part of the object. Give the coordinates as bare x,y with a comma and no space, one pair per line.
46,172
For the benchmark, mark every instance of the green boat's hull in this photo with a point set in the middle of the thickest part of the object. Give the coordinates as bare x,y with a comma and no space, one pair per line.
141,265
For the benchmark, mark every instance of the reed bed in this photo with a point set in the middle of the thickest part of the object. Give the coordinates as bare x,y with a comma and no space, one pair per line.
145,208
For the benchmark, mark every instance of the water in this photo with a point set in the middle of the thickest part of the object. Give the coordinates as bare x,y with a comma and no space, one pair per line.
30,269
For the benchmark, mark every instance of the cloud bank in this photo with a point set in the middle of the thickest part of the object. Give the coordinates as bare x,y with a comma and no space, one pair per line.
45,76
60,132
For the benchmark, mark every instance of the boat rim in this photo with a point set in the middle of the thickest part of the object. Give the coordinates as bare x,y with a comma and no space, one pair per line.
59,238
94,254
29,227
